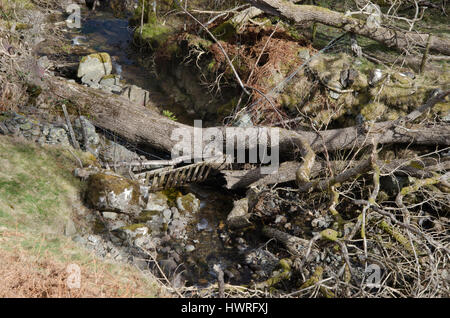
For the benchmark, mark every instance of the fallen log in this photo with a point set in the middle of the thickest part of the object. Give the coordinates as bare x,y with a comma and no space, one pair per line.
396,38
145,127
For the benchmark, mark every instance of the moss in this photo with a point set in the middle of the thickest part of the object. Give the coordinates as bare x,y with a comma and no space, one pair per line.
133,227
99,183
103,57
373,111
330,235
154,35
225,31
172,194
146,216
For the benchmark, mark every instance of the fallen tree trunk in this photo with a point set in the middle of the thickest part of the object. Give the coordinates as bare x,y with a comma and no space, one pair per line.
241,179
399,39
147,128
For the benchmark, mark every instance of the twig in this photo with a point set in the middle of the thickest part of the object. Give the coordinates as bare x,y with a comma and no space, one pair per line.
219,44
72,135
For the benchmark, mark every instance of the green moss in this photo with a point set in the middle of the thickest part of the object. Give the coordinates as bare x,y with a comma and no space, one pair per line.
133,227
225,31
172,194
154,35
373,111
146,216
100,183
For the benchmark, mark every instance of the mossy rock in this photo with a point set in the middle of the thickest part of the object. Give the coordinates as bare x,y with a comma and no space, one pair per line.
145,216
157,201
188,203
154,35
225,31
113,193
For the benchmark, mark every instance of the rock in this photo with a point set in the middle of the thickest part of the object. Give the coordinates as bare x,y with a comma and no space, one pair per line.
167,213
239,216
244,121
110,215
69,228
79,239
262,261
93,67
136,95
111,83
57,136
92,138
375,76
157,201
131,232
304,54
113,152
188,203
202,225
190,248
93,239
168,266
107,192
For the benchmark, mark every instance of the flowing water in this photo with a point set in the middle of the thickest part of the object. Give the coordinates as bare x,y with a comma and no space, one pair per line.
102,32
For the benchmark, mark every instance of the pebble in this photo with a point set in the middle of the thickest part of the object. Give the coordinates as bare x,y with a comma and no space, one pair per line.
190,248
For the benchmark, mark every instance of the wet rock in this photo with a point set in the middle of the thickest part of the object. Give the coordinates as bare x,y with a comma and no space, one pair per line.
107,192
239,216
93,67
202,225
188,203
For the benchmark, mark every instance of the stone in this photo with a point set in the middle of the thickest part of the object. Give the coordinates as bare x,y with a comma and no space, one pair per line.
108,192
188,203
136,95
93,67
69,228
110,215
93,139
190,248
239,216
157,201
113,152
111,83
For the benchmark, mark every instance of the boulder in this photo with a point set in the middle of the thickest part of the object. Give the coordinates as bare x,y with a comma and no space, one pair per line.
107,192
111,83
136,95
93,67
239,216
188,203
157,201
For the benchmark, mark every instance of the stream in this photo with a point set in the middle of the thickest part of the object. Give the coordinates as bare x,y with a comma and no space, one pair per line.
102,32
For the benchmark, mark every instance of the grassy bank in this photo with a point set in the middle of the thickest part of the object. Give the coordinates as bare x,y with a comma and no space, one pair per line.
38,196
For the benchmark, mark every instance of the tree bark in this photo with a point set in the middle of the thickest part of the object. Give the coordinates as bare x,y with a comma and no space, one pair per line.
389,37
146,127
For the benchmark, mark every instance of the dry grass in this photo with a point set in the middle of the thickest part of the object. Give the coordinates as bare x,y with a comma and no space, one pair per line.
37,196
